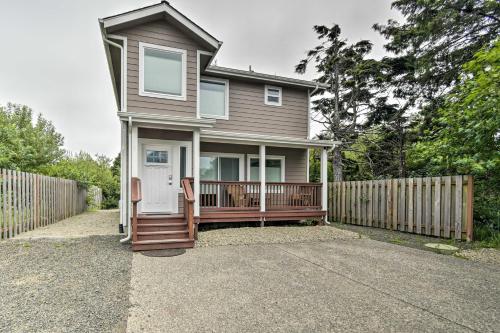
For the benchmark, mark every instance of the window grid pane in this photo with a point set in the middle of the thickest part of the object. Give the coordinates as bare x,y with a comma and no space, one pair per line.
156,156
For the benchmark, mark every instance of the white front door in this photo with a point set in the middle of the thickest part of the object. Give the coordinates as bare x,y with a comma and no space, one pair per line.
159,190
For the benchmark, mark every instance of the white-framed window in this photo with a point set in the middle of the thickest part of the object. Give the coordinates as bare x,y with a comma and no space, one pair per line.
214,98
221,166
162,72
275,168
272,95
156,157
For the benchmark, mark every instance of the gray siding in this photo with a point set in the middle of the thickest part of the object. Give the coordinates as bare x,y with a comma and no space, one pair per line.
159,33
247,111
295,158
249,114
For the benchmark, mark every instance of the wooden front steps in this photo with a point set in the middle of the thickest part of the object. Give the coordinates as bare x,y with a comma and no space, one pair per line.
157,232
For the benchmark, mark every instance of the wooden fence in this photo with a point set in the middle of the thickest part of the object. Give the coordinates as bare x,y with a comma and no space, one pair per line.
437,206
29,201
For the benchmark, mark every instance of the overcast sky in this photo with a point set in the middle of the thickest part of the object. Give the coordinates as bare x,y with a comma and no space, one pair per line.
52,58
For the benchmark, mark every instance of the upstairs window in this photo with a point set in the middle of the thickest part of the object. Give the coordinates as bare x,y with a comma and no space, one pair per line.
162,72
272,95
214,98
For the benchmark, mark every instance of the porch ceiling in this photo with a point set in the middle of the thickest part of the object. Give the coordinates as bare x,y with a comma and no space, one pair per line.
257,139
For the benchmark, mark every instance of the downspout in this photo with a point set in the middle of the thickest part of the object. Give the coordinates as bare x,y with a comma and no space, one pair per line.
129,145
129,187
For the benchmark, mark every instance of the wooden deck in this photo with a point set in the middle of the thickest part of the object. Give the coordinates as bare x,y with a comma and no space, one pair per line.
222,201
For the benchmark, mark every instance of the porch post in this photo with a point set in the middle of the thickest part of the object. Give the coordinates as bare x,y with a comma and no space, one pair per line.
262,175
196,171
324,178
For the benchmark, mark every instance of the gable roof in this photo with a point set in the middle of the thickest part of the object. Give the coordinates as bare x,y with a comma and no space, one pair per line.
157,10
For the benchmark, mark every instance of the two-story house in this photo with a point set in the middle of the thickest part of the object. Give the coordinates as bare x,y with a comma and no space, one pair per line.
202,143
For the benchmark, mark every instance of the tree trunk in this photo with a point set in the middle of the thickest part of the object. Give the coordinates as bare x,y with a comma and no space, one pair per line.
402,157
337,164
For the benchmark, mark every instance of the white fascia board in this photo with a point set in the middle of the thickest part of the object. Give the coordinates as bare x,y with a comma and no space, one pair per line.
263,77
167,120
254,139
161,8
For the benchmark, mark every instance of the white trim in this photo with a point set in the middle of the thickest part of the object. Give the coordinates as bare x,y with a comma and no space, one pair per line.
167,120
308,152
324,178
123,79
156,9
240,157
196,171
183,54
266,95
198,75
208,135
226,97
262,175
123,174
135,148
231,72
268,157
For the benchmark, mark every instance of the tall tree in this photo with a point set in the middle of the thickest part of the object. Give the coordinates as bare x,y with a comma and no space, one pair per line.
26,144
344,68
437,38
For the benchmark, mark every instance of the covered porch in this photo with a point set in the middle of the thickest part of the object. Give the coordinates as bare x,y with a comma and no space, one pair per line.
191,175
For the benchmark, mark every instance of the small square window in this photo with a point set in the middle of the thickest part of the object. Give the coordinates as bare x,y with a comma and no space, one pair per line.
157,156
272,95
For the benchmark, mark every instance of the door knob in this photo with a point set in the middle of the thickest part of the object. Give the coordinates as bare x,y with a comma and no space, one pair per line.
170,180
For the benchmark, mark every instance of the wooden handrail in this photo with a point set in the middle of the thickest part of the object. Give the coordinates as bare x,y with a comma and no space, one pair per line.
135,197
187,189
136,190
188,205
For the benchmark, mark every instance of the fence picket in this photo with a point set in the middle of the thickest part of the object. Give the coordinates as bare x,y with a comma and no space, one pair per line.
29,201
418,206
447,206
458,207
438,206
410,205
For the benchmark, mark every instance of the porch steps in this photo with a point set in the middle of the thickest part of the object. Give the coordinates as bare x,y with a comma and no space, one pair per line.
157,232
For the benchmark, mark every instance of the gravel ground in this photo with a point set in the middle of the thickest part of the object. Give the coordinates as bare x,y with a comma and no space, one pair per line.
466,250
487,256
270,235
103,222
72,285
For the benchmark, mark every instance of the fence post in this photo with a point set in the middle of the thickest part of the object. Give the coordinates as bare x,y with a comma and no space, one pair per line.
470,205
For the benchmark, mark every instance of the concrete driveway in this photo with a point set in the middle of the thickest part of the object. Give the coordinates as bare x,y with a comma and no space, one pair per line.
355,285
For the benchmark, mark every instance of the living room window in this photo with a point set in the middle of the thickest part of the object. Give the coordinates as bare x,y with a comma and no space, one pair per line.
162,72
214,98
275,168
220,166
272,95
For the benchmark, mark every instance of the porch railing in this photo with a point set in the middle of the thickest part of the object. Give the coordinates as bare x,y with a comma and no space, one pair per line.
228,195
281,196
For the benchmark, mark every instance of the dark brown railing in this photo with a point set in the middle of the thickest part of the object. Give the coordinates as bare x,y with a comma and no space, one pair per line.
282,196
135,198
188,205
229,195
226,195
